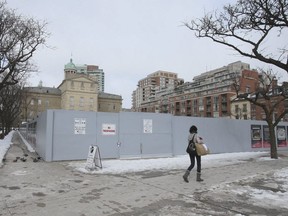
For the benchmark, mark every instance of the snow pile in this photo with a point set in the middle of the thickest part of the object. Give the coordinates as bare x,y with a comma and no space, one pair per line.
179,162
4,146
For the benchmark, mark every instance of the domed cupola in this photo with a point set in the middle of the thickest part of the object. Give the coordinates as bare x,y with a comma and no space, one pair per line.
70,66
70,69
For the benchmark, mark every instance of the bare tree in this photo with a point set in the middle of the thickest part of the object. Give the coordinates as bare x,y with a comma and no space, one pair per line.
19,38
247,28
270,98
11,99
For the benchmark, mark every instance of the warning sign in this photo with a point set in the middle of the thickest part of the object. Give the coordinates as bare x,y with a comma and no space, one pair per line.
108,129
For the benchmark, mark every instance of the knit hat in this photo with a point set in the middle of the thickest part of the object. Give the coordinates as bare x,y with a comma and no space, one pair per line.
193,129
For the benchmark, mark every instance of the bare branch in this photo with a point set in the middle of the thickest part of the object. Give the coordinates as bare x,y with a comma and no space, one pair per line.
248,23
19,39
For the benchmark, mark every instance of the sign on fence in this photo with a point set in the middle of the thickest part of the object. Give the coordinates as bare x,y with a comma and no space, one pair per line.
79,125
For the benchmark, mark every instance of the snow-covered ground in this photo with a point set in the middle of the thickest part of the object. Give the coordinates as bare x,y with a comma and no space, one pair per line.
7,141
4,146
180,162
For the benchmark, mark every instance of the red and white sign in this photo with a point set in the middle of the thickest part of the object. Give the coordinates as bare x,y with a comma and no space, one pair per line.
108,129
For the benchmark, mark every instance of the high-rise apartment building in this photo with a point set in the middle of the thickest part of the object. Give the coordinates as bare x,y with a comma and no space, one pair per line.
155,82
210,92
208,95
93,71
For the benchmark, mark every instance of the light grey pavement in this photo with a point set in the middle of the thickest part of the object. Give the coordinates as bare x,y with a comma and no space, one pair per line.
54,188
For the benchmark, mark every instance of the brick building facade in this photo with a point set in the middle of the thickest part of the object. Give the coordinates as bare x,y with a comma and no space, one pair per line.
210,94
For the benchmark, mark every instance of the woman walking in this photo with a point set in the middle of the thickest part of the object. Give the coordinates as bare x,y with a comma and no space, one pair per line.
193,136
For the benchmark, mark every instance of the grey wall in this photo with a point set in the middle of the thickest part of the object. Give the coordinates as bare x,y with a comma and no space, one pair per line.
135,143
56,138
67,145
220,135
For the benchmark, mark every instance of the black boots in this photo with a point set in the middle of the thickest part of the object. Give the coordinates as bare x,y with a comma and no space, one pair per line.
198,178
185,176
187,173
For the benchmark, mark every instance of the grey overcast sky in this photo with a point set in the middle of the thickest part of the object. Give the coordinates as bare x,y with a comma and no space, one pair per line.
128,39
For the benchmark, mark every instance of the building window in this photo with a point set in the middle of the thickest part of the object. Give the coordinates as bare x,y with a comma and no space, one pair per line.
215,104
224,98
32,102
71,101
200,101
247,89
195,107
236,109
72,84
91,103
92,85
39,101
47,103
244,107
81,102
82,85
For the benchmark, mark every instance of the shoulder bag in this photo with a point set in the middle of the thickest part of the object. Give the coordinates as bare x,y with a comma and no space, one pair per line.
191,146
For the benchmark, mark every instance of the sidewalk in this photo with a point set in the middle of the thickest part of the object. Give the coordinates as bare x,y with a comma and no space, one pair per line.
41,188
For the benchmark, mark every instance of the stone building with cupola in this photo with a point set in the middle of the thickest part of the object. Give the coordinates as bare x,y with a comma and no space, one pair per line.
82,89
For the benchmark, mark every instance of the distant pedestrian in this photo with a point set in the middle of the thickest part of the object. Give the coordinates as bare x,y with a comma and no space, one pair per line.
193,154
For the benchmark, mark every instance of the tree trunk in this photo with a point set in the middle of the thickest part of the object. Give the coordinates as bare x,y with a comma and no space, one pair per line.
273,147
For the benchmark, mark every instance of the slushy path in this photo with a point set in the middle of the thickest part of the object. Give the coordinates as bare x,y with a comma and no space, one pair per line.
53,188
